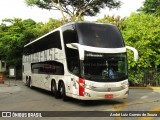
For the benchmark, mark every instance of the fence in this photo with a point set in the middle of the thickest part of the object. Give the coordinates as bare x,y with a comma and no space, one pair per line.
144,77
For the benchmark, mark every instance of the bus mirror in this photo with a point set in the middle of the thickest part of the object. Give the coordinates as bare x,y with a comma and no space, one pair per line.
134,51
79,47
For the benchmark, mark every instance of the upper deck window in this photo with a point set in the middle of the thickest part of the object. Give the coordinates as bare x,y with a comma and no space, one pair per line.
99,35
49,41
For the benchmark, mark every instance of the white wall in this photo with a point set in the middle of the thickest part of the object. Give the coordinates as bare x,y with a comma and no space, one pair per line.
2,66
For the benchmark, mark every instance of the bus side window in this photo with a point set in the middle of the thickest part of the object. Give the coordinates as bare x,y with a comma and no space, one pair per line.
75,70
48,67
59,69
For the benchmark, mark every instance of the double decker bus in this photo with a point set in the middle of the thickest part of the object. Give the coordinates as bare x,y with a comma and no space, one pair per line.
81,60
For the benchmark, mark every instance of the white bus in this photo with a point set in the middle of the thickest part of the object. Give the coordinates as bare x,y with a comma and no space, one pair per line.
82,60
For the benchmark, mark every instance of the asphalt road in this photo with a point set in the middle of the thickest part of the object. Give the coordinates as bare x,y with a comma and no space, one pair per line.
15,96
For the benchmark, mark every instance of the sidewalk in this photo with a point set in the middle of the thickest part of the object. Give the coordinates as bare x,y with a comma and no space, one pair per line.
11,86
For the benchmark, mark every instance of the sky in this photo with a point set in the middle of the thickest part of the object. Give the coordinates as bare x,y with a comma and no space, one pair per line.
18,9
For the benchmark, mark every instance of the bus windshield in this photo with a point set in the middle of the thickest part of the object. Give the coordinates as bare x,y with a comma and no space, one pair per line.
99,35
105,67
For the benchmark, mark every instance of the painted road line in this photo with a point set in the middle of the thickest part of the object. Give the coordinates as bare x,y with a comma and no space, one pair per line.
156,109
118,108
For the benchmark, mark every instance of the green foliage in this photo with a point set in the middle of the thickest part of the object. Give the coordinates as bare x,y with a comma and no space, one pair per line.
75,9
118,21
49,26
142,32
151,7
14,33
139,30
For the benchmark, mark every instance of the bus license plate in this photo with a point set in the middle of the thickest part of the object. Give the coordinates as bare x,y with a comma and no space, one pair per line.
109,96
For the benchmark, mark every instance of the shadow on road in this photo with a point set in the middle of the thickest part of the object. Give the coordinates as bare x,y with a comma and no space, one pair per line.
81,102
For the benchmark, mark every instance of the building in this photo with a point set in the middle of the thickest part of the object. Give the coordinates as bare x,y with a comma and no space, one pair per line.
2,66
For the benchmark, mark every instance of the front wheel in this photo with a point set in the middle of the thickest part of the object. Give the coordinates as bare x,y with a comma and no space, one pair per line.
63,92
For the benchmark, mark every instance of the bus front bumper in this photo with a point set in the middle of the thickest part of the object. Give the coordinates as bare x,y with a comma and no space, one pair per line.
92,95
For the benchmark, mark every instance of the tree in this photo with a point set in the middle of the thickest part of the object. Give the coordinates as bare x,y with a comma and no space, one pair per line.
75,9
49,26
118,21
14,33
142,32
151,7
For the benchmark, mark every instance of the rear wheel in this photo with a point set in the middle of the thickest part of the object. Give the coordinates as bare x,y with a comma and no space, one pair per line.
54,90
30,83
27,82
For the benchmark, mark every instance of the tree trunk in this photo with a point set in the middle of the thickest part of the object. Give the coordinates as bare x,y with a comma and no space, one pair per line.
60,7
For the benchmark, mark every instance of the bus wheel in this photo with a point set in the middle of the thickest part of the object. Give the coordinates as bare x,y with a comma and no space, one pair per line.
54,90
27,82
63,92
30,83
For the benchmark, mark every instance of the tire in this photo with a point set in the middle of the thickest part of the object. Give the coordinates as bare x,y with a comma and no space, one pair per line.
54,90
63,92
30,83
27,82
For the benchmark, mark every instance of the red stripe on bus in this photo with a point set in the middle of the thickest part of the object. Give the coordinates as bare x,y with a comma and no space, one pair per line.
81,86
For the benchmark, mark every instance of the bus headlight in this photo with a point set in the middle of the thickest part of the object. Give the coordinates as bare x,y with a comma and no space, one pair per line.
125,84
88,86
81,84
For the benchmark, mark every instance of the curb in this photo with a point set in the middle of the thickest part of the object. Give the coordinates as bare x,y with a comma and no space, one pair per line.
150,88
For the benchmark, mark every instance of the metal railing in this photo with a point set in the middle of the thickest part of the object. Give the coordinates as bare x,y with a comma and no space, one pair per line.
144,77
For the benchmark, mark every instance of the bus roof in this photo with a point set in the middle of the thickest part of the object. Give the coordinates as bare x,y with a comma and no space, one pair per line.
71,23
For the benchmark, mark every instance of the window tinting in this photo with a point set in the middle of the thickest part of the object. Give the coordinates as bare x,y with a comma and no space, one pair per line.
70,34
104,67
48,67
72,55
50,41
99,35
